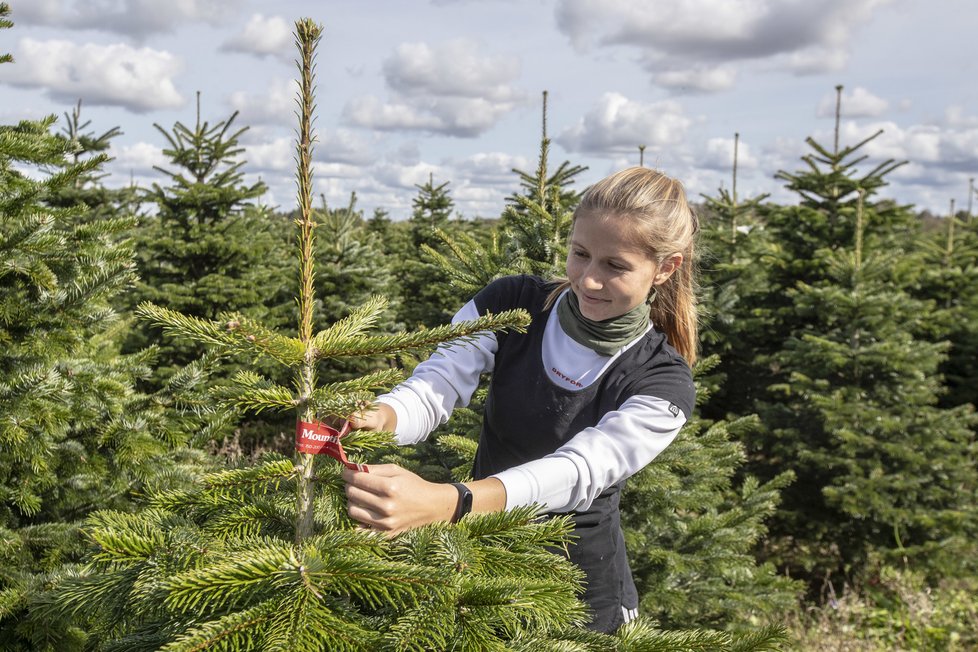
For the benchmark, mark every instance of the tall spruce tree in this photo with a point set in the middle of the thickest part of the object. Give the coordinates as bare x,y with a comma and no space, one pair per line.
538,221
426,301
883,472
76,435
206,248
949,270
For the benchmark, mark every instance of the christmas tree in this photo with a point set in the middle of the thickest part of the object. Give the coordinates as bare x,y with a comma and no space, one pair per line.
76,434
884,473
207,248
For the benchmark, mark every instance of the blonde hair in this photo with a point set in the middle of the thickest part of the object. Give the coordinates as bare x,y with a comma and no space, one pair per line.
664,224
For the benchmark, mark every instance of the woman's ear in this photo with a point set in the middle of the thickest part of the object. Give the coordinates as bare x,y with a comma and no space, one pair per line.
667,268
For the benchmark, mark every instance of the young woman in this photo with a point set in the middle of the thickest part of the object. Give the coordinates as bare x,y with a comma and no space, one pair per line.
597,387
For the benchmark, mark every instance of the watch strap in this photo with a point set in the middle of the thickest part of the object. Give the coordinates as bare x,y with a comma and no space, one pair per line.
464,505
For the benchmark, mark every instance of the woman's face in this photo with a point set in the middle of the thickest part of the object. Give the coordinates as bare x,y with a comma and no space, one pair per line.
607,269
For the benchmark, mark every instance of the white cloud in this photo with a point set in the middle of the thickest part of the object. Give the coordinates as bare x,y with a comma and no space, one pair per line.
492,168
938,147
617,124
264,36
139,158
117,74
406,177
707,78
859,103
955,116
684,36
134,18
454,69
274,155
276,105
340,148
718,154
452,116
449,89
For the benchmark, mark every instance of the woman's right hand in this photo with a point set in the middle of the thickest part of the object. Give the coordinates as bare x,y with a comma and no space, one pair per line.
376,416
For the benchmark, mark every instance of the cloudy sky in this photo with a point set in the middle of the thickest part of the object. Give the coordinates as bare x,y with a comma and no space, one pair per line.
452,88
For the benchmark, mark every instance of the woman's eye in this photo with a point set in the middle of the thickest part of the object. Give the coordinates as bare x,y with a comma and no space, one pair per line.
580,254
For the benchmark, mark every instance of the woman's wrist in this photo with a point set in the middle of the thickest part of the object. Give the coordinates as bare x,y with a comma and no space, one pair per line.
488,495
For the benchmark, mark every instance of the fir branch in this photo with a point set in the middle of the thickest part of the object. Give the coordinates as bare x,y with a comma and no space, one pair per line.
458,333
239,630
377,583
251,573
643,635
768,639
250,391
517,529
254,478
431,625
235,335
354,325
513,603
306,623
125,538
341,399
287,350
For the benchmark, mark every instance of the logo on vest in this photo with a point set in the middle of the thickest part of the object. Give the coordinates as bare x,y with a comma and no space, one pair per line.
674,409
564,377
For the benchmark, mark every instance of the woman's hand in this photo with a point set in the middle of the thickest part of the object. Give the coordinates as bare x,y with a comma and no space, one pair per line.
376,416
391,499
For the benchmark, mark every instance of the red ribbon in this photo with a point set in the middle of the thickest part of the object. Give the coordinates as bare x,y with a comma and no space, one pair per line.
317,438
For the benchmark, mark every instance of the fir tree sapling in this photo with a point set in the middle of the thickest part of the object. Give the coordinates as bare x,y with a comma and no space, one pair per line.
207,247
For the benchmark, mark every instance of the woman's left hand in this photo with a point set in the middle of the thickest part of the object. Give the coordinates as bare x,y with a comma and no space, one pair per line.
391,499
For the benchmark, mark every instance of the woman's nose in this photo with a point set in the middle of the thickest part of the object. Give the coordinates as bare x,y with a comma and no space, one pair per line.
590,278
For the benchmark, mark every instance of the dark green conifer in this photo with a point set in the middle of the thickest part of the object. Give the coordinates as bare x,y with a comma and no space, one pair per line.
883,472
206,247
75,434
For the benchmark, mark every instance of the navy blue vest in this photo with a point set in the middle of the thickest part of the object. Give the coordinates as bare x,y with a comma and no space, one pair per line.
528,416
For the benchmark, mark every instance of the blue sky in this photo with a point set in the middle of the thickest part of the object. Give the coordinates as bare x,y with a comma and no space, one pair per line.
452,88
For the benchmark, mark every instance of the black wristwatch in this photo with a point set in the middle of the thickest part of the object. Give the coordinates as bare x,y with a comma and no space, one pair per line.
464,505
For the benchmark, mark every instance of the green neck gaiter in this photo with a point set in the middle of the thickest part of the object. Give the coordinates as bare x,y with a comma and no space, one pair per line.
604,337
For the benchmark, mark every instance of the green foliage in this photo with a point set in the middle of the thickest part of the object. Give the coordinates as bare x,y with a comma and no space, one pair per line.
206,249
426,300
831,352
216,566
5,23
949,267
691,532
76,434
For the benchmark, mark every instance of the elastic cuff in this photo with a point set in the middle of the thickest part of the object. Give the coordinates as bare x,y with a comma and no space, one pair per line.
521,487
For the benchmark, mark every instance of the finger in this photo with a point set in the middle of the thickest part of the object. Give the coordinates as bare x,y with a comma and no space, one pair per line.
371,482
378,505
387,470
